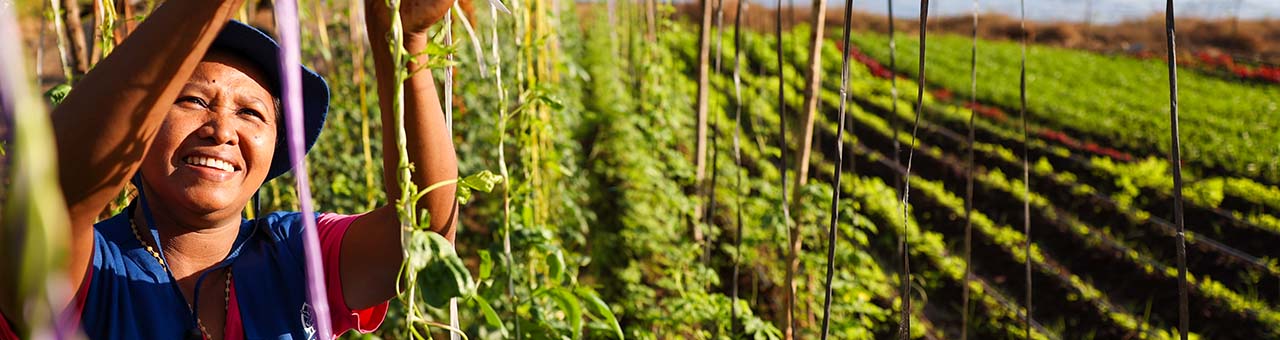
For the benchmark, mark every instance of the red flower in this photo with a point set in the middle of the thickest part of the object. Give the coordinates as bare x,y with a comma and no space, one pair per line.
1242,72
942,94
987,111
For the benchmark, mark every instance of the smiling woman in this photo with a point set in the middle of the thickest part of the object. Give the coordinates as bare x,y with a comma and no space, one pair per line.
214,148
187,110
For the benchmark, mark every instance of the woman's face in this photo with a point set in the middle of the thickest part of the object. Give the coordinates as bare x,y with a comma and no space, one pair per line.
215,146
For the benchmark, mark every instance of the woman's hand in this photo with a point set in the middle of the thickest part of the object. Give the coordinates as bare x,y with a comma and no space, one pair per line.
415,15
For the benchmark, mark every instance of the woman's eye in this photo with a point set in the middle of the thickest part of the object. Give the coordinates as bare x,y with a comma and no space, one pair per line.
193,100
254,113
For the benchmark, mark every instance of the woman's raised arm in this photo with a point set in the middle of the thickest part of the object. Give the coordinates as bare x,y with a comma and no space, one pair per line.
371,251
106,123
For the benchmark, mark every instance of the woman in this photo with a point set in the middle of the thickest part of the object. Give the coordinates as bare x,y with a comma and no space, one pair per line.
187,108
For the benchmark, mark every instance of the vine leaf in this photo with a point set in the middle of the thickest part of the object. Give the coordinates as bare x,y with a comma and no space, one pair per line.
490,315
571,306
553,102
483,181
486,264
441,273
555,264
599,309
56,94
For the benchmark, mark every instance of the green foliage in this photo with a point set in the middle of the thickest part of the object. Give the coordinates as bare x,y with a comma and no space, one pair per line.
1113,102
482,181
442,274
56,94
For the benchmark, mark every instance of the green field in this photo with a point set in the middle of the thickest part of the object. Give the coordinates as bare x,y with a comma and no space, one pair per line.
600,229
1227,127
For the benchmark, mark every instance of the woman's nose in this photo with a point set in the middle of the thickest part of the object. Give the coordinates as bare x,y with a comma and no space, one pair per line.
220,129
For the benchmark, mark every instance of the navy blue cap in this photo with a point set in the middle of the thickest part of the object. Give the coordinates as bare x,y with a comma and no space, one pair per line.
260,49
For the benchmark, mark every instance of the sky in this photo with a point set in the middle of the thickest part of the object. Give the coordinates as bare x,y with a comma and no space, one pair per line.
1103,11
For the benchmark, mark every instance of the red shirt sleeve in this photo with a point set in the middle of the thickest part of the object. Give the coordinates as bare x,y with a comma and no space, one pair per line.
70,316
332,227
5,332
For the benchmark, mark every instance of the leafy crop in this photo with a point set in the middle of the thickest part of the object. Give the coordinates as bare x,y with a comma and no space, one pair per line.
1114,100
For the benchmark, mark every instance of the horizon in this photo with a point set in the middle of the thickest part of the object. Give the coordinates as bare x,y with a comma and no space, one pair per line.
1101,12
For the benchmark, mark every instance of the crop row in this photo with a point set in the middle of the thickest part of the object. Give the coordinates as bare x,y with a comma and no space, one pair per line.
1235,302
998,316
1118,101
1146,182
1001,315
1124,182
1240,202
1211,285
1011,325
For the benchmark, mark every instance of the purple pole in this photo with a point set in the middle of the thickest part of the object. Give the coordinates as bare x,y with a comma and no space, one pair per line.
10,67
290,65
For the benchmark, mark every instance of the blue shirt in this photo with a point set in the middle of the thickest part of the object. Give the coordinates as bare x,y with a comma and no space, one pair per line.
130,295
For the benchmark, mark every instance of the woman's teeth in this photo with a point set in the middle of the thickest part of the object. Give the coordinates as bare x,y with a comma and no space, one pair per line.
210,162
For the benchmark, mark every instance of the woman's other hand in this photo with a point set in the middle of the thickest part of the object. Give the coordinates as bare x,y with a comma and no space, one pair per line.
416,16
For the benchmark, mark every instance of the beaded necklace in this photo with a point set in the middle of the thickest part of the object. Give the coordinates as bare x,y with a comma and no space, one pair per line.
226,297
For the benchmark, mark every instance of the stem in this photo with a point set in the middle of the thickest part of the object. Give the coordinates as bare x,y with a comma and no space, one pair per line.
502,169
448,121
406,206
437,185
357,38
59,28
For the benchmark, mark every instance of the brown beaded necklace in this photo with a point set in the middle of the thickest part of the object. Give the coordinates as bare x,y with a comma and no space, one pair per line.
226,297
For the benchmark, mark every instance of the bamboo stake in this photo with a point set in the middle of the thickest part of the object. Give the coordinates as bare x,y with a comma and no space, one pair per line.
968,196
813,78
105,23
59,27
789,314
904,330
1184,322
127,21
813,85
704,70
709,217
75,34
737,159
835,187
95,51
1026,173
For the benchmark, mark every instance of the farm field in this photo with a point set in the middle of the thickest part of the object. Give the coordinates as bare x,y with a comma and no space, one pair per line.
586,213
1112,100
